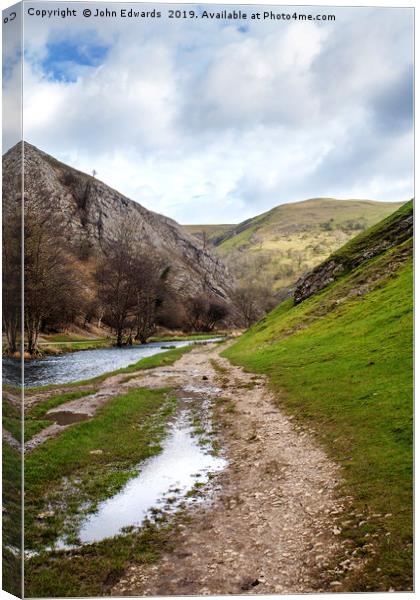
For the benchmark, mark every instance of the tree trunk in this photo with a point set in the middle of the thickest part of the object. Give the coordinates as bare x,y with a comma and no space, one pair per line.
11,327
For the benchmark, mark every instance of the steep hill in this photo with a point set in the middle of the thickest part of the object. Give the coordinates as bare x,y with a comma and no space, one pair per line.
339,359
290,239
92,211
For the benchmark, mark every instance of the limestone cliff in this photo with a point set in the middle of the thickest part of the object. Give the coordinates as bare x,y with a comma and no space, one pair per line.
92,210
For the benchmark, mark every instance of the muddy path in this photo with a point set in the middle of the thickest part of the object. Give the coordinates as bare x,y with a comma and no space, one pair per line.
271,527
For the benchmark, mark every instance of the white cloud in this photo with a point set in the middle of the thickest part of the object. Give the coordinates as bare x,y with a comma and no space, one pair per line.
205,123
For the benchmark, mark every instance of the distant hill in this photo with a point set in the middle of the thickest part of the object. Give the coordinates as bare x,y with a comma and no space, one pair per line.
92,211
339,359
288,240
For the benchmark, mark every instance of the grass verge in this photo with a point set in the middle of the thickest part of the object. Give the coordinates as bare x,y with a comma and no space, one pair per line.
12,418
185,338
84,465
12,519
94,569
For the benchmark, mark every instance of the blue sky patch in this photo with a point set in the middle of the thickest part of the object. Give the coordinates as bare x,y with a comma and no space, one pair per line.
65,56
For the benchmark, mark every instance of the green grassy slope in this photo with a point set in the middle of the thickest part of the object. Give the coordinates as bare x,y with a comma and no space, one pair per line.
291,239
341,363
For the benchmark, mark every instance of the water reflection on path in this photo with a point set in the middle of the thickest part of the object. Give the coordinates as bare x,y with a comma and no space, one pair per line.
169,475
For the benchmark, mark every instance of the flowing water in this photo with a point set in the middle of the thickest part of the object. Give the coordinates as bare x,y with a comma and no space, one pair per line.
76,366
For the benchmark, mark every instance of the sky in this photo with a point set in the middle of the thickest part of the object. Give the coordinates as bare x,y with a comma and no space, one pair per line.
211,121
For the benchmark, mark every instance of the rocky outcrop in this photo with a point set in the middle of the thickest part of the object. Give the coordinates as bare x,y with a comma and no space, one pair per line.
92,211
390,232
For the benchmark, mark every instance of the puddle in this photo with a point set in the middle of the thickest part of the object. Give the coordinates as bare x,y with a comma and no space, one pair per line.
66,417
163,482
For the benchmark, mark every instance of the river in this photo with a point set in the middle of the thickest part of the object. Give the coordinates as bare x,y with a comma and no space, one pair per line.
83,364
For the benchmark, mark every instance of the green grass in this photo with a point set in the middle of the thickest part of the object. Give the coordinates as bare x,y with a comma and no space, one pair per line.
64,337
94,569
86,345
12,419
45,405
184,338
64,477
11,522
342,364
73,346
162,359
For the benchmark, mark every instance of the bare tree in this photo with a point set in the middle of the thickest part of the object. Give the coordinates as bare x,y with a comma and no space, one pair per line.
252,302
52,283
150,281
12,270
116,284
204,311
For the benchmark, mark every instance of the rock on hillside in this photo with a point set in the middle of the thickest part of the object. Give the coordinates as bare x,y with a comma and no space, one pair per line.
92,210
390,232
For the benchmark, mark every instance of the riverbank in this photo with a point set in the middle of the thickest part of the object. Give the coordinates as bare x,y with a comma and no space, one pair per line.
82,398
59,459
64,343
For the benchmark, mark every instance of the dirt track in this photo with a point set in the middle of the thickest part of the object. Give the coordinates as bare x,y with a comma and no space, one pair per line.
271,527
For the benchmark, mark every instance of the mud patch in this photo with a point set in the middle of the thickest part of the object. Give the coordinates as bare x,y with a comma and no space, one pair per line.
66,417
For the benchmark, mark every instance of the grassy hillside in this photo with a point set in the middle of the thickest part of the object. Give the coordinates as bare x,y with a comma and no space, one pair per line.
340,362
291,239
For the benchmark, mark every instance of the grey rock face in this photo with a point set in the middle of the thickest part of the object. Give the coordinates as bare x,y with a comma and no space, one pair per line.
92,211
316,280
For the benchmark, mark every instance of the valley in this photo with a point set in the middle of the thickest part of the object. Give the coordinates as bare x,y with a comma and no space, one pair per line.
296,412
281,245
